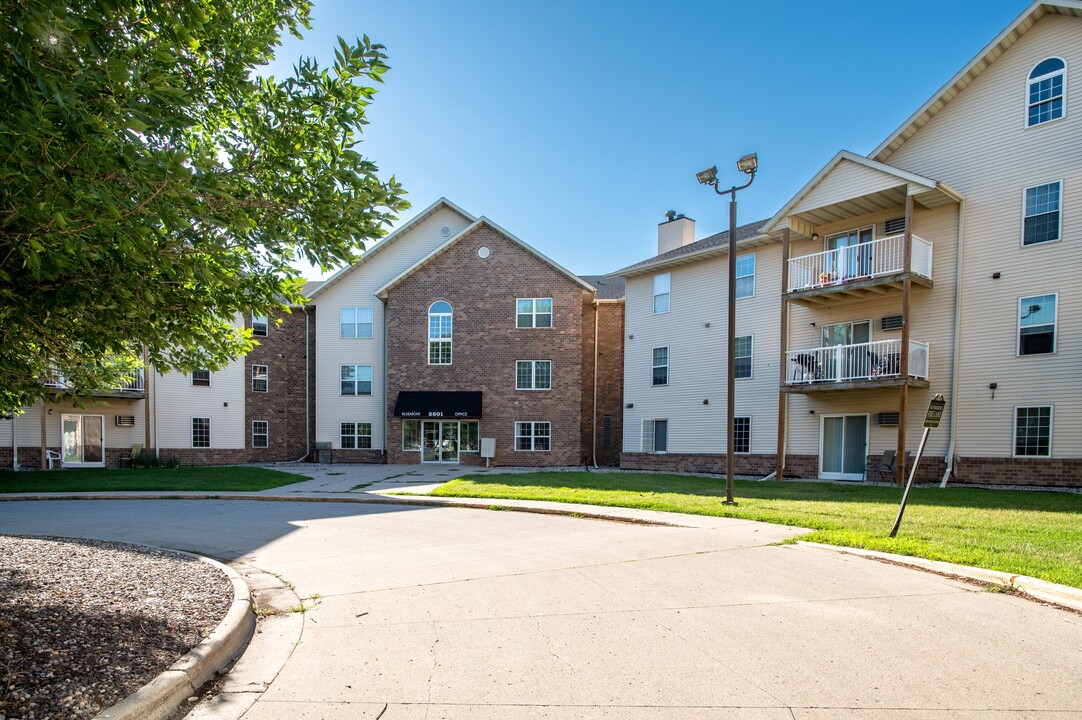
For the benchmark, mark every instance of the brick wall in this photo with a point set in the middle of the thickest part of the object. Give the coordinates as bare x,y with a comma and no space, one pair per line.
713,464
357,457
1050,472
206,456
282,406
610,381
486,344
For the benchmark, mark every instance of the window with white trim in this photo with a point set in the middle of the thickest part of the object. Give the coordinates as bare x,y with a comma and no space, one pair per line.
662,285
533,374
745,276
260,434
411,436
355,322
1040,213
439,333
356,436
533,436
655,436
356,379
742,349
260,378
1033,431
742,435
201,377
1045,97
200,432
533,312
259,325
660,366
1037,324
469,436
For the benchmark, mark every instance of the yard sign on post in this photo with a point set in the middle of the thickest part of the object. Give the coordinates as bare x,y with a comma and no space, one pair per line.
931,422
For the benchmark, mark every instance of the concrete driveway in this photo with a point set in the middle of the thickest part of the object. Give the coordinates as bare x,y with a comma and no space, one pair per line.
454,613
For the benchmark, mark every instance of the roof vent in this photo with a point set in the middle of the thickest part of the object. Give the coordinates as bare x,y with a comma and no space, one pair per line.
445,231
670,215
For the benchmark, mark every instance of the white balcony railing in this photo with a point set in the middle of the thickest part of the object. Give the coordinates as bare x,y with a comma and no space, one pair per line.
133,385
848,363
884,256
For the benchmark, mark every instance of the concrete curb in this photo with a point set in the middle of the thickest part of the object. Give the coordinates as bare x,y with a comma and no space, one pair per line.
1042,590
162,696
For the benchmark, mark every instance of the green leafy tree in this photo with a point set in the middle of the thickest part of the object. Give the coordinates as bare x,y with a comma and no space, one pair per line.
153,186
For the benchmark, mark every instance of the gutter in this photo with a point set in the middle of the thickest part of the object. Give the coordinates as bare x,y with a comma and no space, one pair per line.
14,444
951,432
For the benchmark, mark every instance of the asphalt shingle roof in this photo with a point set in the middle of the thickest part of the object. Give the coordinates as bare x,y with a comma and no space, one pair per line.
609,287
743,232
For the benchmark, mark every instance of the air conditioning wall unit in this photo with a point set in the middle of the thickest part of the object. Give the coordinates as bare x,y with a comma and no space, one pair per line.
125,421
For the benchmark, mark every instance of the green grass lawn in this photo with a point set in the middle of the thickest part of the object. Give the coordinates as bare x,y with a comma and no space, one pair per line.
184,478
1027,533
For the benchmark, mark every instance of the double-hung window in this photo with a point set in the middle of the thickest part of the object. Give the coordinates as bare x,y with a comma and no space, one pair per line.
661,366
1033,431
355,322
260,433
1041,217
259,325
533,374
745,276
356,379
742,367
662,284
1045,91
533,436
356,436
260,378
655,436
742,435
1037,324
440,318
200,432
201,377
533,312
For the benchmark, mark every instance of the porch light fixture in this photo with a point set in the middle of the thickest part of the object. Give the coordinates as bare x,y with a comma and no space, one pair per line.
747,164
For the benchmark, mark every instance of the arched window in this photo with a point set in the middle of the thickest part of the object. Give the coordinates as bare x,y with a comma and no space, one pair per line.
439,333
1045,91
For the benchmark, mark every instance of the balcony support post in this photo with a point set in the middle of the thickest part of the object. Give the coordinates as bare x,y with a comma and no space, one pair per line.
903,357
44,436
783,398
146,400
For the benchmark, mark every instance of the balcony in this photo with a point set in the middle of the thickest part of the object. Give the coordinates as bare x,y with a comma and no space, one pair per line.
134,388
863,271
855,367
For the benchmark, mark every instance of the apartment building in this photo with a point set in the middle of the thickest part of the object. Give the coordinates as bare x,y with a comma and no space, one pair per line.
945,261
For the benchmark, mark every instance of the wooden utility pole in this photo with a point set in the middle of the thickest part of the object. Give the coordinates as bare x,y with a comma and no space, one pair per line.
903,356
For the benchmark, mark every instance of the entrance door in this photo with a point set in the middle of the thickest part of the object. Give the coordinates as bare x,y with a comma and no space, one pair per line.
439,441
854,253
847,363
843,447
83,439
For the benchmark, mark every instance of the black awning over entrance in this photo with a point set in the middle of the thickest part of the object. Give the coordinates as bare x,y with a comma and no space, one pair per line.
422,404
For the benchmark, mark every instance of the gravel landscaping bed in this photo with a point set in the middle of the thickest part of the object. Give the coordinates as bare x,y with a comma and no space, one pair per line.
85,623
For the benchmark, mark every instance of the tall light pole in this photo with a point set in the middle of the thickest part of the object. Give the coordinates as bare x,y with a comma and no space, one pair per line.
748,165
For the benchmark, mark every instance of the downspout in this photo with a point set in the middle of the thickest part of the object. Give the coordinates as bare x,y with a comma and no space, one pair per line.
154,403
593,429
957,342
14,444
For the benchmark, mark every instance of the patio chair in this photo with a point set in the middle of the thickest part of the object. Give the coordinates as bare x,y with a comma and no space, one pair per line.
807,368
881,468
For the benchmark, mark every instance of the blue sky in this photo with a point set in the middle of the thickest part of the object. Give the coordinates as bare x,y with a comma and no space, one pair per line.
576,125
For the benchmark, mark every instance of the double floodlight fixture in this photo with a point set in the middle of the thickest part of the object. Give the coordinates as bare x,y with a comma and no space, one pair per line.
708,176
748,164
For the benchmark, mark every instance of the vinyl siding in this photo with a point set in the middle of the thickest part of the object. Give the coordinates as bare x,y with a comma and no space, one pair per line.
979,145
697,356
847,180
28,425
358,290
178,402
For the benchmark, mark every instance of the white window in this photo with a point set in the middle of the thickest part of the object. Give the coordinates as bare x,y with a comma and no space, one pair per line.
745,276
533,436
1033,431
356,379
533,312
439,333
1045,91
356,436
260,433
200,432
259,325
655,436
468,436
1037,325
411,435
201,377
260,378
533,374
661,293
355,322
742,367
1041,217
742,435
661,366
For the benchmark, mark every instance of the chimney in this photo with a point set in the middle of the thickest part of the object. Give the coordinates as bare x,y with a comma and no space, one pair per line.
677,231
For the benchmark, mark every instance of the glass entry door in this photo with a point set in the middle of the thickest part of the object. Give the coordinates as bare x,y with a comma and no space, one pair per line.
843,447
847,363
439,441
83,439
853,256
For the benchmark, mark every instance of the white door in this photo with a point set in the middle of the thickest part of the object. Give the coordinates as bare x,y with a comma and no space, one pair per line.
843,447
83,440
